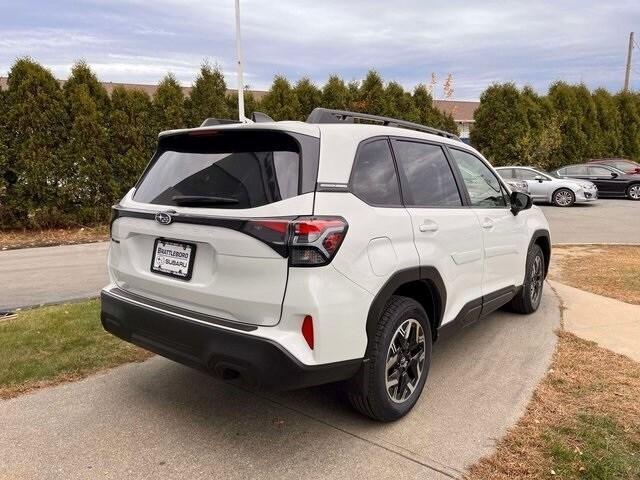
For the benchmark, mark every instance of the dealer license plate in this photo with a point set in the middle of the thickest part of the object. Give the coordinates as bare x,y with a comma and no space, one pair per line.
173,258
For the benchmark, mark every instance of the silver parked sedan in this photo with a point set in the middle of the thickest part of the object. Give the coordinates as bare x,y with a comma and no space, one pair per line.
562,192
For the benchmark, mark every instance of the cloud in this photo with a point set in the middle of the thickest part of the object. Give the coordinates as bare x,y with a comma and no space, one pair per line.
479,43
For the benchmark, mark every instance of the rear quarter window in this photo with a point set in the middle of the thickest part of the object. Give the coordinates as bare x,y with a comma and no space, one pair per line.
229,169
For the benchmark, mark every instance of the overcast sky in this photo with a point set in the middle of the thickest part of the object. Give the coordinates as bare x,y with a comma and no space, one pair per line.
477,42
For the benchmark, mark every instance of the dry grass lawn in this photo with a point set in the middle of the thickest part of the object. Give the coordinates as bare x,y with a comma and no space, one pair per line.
609,270
582,423
13,239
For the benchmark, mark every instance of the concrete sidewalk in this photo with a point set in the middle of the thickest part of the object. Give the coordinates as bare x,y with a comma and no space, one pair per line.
610,323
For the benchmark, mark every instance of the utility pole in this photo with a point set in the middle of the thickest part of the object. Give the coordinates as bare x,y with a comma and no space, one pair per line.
628,72
241,116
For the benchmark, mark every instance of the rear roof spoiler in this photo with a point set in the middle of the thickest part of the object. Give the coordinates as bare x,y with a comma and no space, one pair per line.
256,117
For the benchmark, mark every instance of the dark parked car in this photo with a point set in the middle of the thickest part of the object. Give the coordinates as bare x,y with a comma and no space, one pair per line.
627,166
610,181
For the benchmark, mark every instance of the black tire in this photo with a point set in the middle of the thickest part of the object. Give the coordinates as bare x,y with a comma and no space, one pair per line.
374,398
633,192
528,298
563,197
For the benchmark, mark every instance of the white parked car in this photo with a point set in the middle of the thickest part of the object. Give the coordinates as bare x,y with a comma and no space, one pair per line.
289,254
518,186
562,192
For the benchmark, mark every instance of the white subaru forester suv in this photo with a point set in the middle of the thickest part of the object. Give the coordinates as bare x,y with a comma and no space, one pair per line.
290,254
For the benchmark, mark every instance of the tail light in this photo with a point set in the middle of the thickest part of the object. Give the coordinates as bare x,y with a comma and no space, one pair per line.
314,241
308,241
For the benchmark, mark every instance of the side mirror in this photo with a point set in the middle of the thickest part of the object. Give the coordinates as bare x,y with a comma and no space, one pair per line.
614,175
520,201
540,178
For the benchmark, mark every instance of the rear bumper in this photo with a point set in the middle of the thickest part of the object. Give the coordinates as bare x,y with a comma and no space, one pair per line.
211,345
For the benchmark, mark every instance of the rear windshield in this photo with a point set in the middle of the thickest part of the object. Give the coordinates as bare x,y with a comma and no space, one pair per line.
229,169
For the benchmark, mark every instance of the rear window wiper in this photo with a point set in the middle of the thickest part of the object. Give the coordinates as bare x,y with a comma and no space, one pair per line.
202,200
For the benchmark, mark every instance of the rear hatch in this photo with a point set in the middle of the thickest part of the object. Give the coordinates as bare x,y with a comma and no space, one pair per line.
205,228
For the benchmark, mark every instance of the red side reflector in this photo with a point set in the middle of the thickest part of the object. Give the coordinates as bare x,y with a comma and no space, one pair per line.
307,330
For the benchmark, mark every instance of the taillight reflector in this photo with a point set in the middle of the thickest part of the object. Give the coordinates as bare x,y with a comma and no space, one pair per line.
307,330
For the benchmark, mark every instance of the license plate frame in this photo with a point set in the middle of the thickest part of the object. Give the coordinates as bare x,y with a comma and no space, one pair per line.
174,243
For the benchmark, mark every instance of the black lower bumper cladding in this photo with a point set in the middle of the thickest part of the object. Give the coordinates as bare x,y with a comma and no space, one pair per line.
231,355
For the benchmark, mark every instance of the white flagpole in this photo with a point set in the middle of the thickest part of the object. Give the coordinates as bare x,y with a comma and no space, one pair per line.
241,116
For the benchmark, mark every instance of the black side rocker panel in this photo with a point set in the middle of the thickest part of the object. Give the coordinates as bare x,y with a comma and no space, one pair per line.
233,355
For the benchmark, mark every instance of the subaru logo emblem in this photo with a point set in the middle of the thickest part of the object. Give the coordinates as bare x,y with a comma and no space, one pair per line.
163,218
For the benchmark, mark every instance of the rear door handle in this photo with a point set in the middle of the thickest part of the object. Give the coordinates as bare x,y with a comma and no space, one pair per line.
428,226
487,223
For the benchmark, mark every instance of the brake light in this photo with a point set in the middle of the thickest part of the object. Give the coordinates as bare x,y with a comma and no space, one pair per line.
309,241
314,241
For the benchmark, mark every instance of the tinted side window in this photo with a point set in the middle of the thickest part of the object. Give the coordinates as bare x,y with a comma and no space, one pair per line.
507,173
524,174
374,178
622,165
599,171
430,181
483,186
577,170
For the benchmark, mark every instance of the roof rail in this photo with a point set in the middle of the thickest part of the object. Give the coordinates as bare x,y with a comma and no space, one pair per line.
209,122
326,115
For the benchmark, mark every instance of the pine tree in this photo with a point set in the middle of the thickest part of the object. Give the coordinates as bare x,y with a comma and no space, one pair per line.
428,114
400,104
251,104
81,74
5,214
609,124
36,127
86,187
371,94
208,97
538,145
309,97
168,109
335,94
131,136
588,116
281,101
574,145
629,108
353,88
499,125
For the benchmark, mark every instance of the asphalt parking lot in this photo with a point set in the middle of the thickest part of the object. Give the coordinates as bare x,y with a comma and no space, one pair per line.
159,419
603,221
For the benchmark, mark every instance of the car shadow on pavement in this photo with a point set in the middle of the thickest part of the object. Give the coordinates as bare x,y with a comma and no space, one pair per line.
478,386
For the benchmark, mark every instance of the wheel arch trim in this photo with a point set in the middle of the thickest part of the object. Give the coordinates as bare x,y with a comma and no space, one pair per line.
430,275
543,234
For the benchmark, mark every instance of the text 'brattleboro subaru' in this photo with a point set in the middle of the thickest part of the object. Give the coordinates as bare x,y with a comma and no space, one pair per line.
290,254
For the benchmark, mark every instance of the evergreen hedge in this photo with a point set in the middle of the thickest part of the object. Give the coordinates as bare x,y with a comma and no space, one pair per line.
68,153
568,125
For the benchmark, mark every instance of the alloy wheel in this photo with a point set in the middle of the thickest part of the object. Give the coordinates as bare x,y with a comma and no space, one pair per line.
564,198
536,280
405,360
634,191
